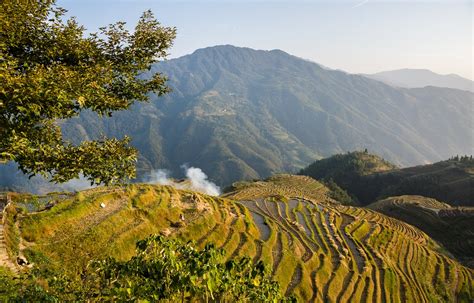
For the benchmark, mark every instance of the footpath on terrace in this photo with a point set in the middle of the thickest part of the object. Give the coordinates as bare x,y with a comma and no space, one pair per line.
4,258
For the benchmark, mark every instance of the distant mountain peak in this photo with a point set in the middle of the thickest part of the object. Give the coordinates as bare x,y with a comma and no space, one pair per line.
231,47
414,78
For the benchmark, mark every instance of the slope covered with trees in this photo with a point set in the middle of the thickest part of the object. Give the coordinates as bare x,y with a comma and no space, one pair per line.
241,114
369,178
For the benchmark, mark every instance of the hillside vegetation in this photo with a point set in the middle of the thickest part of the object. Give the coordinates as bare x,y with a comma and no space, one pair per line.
316,249
369,178
451,226
242,114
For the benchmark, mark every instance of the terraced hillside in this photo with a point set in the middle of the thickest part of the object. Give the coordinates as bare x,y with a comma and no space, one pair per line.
280,186
451,226
316,249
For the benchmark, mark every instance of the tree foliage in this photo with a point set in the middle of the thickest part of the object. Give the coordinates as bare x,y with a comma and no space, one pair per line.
339,194
163,270
50,71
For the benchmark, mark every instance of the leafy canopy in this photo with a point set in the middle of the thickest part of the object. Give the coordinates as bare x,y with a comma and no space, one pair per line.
163,270
50,71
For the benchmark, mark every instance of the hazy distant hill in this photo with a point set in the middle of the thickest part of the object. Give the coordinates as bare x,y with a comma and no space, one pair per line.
240,113
412,78
368,178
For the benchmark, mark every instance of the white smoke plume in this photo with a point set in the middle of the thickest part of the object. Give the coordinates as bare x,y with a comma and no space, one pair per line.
161,176
78,184
199,182
196,180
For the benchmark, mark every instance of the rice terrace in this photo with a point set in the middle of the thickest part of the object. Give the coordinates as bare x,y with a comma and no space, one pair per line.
318,249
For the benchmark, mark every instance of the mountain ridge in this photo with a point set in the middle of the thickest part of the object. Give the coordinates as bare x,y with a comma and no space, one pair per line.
221,71
416,78
239,114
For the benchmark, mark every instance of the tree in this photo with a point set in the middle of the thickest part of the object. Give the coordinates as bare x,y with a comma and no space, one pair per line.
163,270
50,71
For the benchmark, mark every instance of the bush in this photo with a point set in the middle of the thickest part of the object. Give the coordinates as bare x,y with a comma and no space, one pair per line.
163,270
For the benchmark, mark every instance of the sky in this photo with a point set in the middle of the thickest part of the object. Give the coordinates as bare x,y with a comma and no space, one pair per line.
357,36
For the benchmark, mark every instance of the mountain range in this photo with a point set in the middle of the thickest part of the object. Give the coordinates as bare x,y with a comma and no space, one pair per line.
412,78
239,113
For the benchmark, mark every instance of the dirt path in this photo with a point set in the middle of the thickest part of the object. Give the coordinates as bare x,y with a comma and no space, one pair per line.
4,258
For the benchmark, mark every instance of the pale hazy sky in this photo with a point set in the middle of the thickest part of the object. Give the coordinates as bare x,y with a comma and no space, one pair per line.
355,35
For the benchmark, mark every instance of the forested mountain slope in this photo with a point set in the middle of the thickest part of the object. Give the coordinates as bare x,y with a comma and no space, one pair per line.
240,113
369,178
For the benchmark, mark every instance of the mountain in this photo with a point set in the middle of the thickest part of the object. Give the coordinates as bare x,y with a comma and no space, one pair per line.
451,226
369,178
412,78
241,114
317,250
347,166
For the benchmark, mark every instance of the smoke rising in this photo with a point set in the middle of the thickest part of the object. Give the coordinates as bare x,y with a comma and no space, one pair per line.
161,176
78,184
196,180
